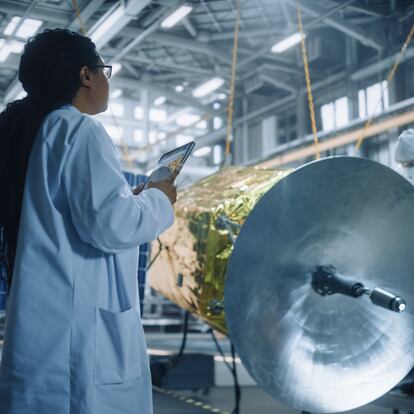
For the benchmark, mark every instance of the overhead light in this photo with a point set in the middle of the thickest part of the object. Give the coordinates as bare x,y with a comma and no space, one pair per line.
202,124
179,88
11,26
208,87
116,67
162,135
21,95
100,32
202,152
176,16
28,28
187,119
9,47
13,92
114,20
287,43
116,93
160,100
222,96
216,105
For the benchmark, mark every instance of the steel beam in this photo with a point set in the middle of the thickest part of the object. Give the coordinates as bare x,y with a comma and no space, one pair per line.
342,25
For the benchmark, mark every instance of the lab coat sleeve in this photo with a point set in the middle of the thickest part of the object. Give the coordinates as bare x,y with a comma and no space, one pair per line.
103,209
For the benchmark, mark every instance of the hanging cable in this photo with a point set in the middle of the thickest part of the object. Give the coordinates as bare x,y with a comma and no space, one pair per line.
230,106
79,16
308,82
390,77
233,369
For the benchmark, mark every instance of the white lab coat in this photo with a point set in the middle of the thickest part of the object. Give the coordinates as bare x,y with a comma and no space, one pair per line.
74,342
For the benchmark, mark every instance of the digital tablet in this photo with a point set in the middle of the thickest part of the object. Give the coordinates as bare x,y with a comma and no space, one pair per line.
173,160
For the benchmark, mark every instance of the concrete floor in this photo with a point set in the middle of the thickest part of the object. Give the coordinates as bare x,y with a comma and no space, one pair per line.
253,401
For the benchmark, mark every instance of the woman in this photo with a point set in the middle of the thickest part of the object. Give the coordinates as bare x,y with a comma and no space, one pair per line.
70,226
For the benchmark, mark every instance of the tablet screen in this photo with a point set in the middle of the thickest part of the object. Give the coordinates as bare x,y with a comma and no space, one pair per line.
176,158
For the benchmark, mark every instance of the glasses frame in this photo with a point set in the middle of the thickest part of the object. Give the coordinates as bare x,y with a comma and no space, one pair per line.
109,67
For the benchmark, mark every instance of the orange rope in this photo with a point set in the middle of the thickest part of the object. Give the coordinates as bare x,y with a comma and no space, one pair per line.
389,79
230,107
308,83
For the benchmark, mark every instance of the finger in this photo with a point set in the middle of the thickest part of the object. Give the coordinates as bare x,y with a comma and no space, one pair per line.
138,189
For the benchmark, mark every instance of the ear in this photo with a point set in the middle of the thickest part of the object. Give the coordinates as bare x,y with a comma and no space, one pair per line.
85,77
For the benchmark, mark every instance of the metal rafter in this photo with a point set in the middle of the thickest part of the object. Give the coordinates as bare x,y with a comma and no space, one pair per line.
338,23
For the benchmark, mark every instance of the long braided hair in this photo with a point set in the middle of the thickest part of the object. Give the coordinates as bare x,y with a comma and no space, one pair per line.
49,72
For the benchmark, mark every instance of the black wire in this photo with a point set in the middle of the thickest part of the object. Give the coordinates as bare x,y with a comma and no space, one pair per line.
156,256
237,390
233,370
176,358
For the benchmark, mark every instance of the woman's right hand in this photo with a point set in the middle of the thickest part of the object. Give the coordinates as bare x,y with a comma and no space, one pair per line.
167,187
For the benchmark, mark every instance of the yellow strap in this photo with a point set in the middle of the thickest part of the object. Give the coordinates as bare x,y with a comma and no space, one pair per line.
79,16
308,83
232,85
383,89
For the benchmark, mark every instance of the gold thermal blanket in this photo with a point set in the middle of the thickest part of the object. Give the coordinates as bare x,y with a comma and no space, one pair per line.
190,269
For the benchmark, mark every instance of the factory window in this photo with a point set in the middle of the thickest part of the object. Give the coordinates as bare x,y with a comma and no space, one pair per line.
217,122
373,100
139,137
155,115
335,114
217,154
115,109
115,132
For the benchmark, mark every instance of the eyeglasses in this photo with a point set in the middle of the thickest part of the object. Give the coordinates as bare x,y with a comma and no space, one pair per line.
107,70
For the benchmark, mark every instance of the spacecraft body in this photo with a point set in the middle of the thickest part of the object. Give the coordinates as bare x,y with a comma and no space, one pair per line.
193,253
309,272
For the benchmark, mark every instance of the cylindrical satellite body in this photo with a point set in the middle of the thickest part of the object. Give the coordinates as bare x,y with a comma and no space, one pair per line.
242,255
191,267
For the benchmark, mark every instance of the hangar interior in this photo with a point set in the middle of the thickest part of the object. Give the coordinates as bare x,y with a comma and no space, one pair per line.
231,75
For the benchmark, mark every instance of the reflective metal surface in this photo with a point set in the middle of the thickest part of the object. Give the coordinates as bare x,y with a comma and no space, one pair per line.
332,353
191,267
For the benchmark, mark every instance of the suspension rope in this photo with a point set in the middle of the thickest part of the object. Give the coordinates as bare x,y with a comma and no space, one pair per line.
308,82
230,106
79,16
390,77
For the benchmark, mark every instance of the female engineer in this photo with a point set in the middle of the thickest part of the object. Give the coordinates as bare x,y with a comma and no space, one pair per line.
70,227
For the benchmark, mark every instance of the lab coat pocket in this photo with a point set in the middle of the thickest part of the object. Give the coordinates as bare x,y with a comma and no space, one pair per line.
119,347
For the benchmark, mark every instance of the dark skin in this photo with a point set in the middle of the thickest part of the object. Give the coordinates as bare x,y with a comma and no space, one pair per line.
92,98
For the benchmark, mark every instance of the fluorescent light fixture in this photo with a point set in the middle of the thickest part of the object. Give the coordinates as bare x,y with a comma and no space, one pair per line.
14,90
116,67
21,95
11,26
187,119
116,93
176,16
202,152
287,43
99,33
16,46
202,124
222,96
28,28
179,88
10,47
183,139
160,100
208,87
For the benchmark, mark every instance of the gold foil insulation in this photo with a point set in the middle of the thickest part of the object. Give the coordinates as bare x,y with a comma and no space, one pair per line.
191,266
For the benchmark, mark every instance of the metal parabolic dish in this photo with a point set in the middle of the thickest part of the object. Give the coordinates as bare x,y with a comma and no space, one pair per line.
332,353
